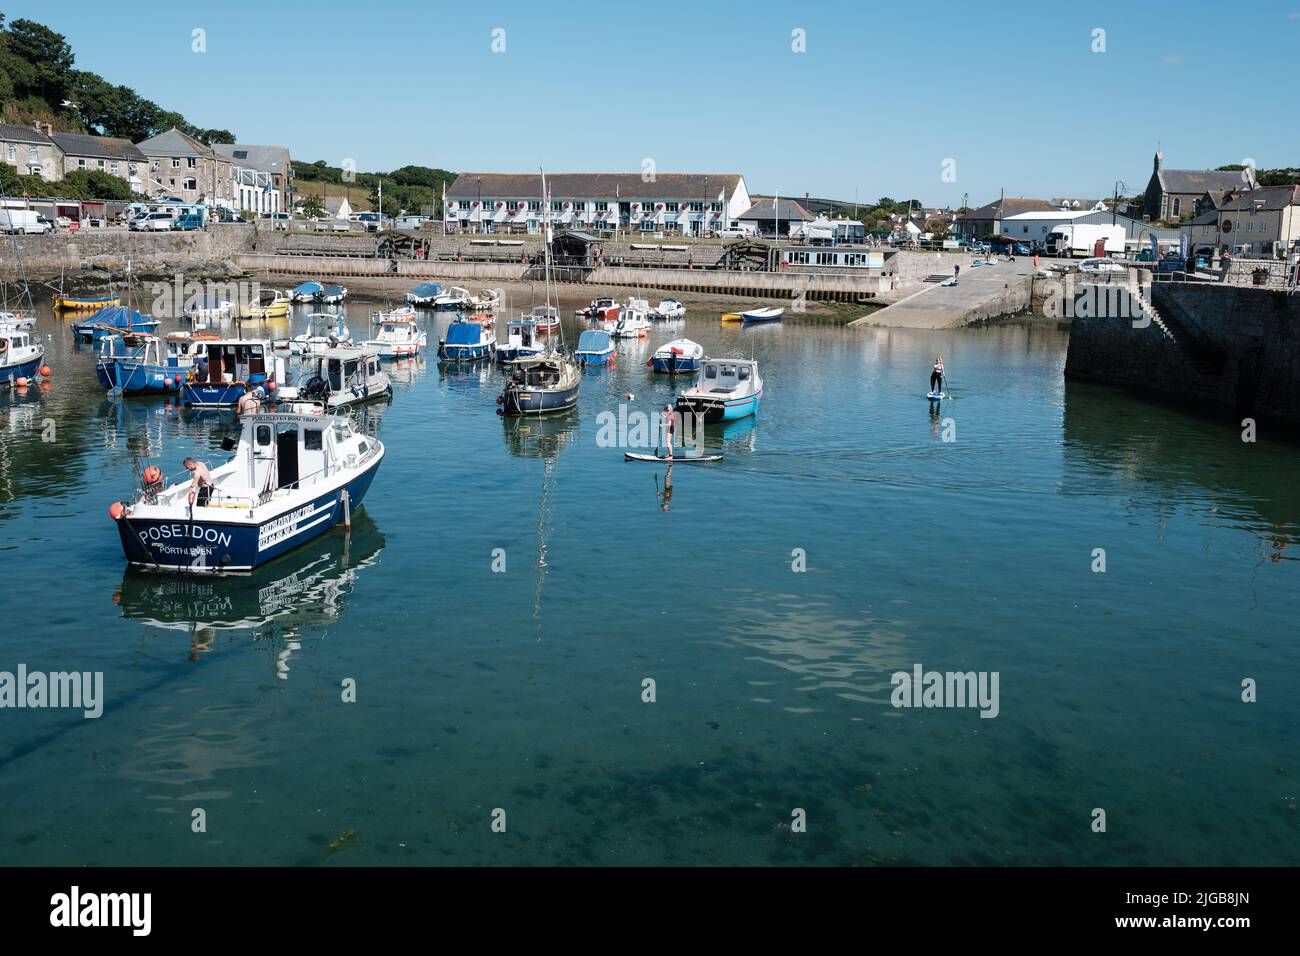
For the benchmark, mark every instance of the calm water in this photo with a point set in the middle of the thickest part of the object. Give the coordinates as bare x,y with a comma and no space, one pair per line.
522,690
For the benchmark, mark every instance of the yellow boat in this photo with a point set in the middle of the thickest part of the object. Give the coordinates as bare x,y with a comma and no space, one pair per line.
272,304
732,317
84,303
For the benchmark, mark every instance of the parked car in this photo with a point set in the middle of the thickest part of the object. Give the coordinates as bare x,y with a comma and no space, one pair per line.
188,222
735,232
151,222
275,220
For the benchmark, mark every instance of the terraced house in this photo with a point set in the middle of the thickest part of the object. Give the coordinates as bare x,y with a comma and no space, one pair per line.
181,166
262,176
81,152
688,204
30,151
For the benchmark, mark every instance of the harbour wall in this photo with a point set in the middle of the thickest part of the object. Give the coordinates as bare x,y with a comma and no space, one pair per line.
209,251
1230,350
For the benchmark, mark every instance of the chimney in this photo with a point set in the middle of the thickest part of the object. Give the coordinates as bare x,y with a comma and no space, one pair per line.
48,129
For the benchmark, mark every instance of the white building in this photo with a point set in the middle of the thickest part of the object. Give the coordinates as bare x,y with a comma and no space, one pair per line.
691,204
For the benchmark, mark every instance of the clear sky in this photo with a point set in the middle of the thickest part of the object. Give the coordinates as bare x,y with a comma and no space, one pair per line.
1012,92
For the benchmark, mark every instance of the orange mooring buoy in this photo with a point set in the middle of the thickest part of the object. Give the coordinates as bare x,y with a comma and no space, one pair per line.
46,371
152,475
116,510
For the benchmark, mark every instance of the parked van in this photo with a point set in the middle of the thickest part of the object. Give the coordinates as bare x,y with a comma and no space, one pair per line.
151,222
188,221
24,221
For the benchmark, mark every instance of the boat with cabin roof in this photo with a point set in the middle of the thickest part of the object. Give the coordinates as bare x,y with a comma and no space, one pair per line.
135,364
339,377
468,341
271,304
522,341
398,337
325,330
668,309
727,389
594,348
292,477
218,377
424,294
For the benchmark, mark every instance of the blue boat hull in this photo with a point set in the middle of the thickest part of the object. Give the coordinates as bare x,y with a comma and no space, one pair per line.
28,369
92,333
134,378
719,410
510,354
465,353
681,366
594,358
226,394
233,545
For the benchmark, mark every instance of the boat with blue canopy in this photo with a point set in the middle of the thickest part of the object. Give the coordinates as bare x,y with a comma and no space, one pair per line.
595,347
113,320
467,342
424,294
307,292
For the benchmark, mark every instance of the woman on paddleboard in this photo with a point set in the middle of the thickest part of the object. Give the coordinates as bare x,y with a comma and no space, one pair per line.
936,375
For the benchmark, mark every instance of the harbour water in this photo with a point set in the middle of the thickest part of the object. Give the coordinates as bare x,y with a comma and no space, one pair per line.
522,690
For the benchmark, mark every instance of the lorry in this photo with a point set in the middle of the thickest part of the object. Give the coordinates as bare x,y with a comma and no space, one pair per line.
24,221
1085,240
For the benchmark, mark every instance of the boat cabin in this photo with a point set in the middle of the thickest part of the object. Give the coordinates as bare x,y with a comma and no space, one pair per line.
727,375
345,375
228,361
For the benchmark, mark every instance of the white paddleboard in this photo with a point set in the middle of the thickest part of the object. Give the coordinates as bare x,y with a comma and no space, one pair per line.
936,396
678,460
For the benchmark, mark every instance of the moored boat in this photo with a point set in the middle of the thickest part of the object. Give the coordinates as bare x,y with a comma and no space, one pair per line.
325,330
633,322
271,304
600,309
398,337
678,357
453,298
522,341
292,477
769,314
207,309
545,317
540,385
732,317
489,300
218,377
136,364
84,303
467,341
594,348
424,294
22,355
668,309
113,320
727,389
307,292
341,376
332,294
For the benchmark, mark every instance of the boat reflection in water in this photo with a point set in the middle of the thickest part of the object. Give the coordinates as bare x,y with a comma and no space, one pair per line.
278,604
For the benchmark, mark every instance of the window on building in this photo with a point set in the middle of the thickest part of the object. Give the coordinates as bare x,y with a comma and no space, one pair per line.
12,153
32,156
81,164
512,205
132,168
99,163
556,205
1178,205
716,207
112,167
191,184
176,163
671,207
535,205
697,207
1263,227
191,162
602,206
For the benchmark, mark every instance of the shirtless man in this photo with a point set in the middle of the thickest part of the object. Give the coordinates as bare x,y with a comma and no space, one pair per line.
248,403
201,486
669,426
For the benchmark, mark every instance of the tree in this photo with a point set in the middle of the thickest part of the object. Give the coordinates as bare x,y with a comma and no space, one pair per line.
92,184
312,208
41,61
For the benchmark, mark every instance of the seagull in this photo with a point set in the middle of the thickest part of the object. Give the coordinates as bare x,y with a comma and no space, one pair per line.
69,103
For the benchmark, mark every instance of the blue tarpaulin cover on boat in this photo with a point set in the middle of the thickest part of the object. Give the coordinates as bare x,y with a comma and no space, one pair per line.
426,289
333,290
593,340
464,333
120,317
308,288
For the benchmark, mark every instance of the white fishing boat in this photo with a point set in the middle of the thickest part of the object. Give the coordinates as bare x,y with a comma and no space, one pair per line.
22,355
677,357
398,338
292,477
522,341
401,312
727,389
325,330
208,310
454,299
424,294
489,300
633,322
668,309
338,377
545,317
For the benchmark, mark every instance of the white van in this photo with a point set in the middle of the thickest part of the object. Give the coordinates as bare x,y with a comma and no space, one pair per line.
737,231
25,221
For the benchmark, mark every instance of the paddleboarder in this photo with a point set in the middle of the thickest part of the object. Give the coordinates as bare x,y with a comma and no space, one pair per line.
669,424
936,375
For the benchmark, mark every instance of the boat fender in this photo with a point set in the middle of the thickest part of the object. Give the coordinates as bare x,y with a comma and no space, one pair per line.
116,510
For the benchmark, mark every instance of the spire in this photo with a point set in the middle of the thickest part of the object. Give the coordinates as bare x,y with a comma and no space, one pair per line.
1160,161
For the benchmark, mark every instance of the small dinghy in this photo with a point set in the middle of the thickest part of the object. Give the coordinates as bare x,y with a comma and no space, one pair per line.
674,460
668,309
307,292
424,293
762,315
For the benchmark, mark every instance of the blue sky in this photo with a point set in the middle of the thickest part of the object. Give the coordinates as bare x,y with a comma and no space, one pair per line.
884,93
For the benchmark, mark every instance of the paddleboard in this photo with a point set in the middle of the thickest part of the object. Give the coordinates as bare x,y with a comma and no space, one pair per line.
678,460
936,396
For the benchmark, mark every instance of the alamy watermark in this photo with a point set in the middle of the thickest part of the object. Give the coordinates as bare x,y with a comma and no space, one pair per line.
922,688
78,690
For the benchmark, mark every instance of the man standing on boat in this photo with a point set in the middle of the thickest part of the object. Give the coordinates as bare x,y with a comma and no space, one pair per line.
248,403
201,486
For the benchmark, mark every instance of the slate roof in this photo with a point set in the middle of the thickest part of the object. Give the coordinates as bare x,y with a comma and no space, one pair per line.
1009,207
23,134
1266,198
98,147
1198,180
174,143
787,211
265,159
630,186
